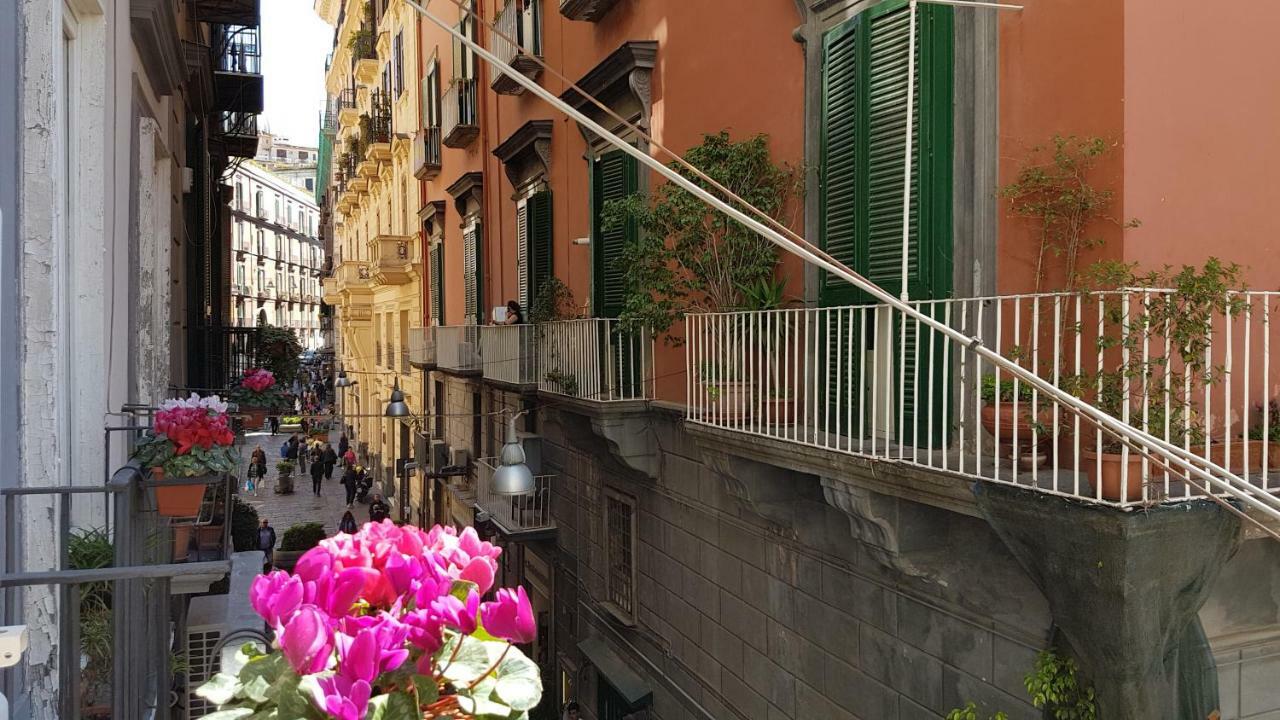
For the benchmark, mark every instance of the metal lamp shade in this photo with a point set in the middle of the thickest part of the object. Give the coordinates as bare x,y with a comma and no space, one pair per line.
397,407
342,380
512,476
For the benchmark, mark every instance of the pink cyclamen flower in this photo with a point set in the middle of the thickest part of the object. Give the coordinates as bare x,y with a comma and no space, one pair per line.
344,698
510,617
275,596
455,613
305,640
370,645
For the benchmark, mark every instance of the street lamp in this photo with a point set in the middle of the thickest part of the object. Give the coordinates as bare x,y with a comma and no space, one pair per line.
396,407
513,476
342,380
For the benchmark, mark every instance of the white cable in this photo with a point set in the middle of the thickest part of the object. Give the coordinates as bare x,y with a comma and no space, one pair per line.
1189,462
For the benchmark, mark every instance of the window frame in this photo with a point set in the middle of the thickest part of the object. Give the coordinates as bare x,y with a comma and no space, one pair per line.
626,615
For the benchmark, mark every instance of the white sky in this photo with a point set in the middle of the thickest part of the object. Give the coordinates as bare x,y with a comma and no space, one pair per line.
295,42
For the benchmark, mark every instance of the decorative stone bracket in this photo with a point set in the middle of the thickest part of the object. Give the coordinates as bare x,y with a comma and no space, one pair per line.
526,154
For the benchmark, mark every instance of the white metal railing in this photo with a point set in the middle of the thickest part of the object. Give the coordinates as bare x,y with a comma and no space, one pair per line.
869,380
458,348
518,513
521,21
458,108
509,353
422,346
593,359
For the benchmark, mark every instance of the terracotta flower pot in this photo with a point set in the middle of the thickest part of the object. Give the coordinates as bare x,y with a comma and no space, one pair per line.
257,416
1242,449
181,541
1026,430
1111,476
177,500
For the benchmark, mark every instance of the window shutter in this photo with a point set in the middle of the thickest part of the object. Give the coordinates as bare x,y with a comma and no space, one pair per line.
522,253
614,178
469,265
437,282
541,242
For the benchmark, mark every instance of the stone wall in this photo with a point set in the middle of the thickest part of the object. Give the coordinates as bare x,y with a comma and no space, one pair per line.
771,604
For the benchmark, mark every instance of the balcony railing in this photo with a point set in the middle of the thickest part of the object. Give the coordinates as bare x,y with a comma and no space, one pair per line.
236,49
518,513
593,359
521,21
458,348
239,123
865,381
422,347
458,123
509,353
426,154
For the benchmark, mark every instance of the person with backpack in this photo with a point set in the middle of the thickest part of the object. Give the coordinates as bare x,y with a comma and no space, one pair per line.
317,475
350,479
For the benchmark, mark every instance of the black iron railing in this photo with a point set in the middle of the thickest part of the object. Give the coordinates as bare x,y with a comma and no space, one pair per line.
236,49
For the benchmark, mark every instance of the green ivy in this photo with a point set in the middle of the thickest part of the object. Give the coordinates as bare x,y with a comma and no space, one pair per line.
1054,685
302,536
554,301
689,257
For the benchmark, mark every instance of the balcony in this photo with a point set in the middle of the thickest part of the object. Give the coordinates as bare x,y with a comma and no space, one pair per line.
592,359
375,133
364,57
426,153
231,12
458,349
422,347
589,10
348,116
237,68
395,257
459,123
865,381
518,514
237,134
521,21
509,355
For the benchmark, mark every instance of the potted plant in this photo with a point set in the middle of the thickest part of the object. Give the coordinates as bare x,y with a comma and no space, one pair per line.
91,549
683,257
1025,435
257,396
284,486
393,627
297,540
1268,436
191,439
320,429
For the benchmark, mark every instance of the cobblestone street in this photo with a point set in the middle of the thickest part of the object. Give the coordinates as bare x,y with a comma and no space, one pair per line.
285,511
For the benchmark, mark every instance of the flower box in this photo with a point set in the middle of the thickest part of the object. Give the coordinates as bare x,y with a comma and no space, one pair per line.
190,447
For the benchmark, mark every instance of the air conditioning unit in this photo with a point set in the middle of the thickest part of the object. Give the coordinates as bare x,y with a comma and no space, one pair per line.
440,455
460,457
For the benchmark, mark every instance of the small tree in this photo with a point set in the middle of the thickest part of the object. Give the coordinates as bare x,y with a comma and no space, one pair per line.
690,257
278,351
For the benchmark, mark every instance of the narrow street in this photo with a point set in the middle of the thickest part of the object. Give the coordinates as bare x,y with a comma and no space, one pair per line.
301,506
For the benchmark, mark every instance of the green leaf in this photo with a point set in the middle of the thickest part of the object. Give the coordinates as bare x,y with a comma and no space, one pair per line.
482,707
256,689
220,689
231,714
267,667
395,706
519,681
293,696
473,661
461,588
427,690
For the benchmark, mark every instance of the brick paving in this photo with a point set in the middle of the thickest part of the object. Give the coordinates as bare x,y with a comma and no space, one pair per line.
286,510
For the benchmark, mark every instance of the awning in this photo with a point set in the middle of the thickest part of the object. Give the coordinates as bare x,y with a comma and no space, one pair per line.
626,681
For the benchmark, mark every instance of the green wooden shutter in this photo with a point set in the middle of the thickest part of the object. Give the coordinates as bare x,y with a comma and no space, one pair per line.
541,242
613,178
472,265
522,254
437,283
863,139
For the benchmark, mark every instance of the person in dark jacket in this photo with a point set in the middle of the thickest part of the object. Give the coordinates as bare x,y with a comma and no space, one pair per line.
291,453
379,510
349,481
348,523
317,476
329,459
267,543
343,445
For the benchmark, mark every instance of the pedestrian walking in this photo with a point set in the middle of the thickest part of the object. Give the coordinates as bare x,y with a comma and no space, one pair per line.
343,445
258,462
348,523
329,458
267,543
300,450
349,457
349,481
317,475
274,422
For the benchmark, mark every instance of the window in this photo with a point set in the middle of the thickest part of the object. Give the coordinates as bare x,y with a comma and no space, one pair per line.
620,531
239,196
240,274
302,155
282,155
437,283
472,239
311,184
261,206
397,55
613,177
438,406
534,247
431,94
477,423
464,60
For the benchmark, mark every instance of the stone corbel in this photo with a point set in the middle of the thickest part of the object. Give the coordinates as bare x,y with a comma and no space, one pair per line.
621,80
467,189
877,522
526,154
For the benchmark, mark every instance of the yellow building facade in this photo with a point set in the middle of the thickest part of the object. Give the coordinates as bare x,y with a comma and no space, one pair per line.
376,287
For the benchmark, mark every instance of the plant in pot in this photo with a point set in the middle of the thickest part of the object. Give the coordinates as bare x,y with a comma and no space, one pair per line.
1174,309
297,540
258,396
244,525
387,623
682,257
191,439
1264,429
92,549
284,485
1021,433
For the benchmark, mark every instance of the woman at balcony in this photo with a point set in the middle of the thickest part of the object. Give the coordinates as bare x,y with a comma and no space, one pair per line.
515,315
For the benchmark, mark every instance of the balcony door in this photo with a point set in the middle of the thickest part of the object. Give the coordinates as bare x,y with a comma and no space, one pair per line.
863,136
614,176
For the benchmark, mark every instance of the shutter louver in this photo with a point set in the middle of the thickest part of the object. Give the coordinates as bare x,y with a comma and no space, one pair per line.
437,308
469,266
541,242
615,178
522,253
